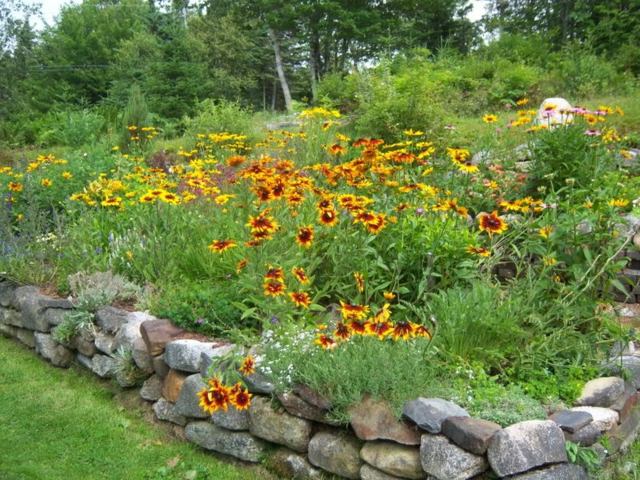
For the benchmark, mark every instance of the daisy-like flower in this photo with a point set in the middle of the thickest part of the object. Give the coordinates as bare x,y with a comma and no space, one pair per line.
240,397
328,217
300,275
480,251
490,118
15,187
353,312
300,299
389,296
421,331
304,237
248,365
379,329
342,331
356,327
544,232
263,223
274,273
67,175
45,182
492,223
219,246
147,198
214,398
522,102
170,198
273,288
241,265
618,202
325,342
402,331
359,281
111,202
336,149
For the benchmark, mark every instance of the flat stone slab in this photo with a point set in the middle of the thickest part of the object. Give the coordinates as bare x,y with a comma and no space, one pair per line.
374,420
429,413
166,411
232,419
563,471
470,434
389,457
601,392
336,453
278,426
571,421
185,355
188,403
298,407
586,436
526,445
237,444
604,418
445,460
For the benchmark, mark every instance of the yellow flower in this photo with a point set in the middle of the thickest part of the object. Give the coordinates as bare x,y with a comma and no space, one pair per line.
544,232
45,182
67,175
618,202
490,118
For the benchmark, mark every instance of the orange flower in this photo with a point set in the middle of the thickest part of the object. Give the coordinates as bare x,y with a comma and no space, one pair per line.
214,398
275,273
300,275
304,238
263,223
492,223
379,329
15,186
325,341
389,296
402,331
241,265
248,365
357,327
480,251
337,149
300,299
353,312
421,331
274,288
328,217
342,331
220,246
235,160
240,397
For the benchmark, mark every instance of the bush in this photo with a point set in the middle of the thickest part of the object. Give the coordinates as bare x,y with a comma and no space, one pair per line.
219,116
73,128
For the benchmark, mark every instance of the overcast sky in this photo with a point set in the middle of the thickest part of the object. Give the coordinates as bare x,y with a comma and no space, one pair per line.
50,8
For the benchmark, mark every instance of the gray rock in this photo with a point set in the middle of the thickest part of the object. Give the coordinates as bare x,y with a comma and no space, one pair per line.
399,460
185,354
289,464
232,419
9,316
628,364
8,330
526,445
237,444
129,332
152,389
375,420
571,421
105,343
563,471
27,300
295,405
160,366
110,319
7,288
367,472
188,401
84,343
103,366
141,356
57,303
86,362
207,356
312,397
336,453
603,418
601,392
586,436
278,426
429,413
48,348
259,384
446,461
26,337
470,434
166,411
55,316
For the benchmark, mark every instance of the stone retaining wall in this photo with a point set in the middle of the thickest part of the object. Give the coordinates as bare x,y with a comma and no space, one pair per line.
436,439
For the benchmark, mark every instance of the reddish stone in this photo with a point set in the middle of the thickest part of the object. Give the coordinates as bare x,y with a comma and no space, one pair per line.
173,384
374,420
157,333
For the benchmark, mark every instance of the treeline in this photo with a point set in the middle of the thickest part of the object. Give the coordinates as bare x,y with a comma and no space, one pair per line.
265,54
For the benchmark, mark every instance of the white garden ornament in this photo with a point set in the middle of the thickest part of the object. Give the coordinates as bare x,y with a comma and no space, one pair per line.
554,111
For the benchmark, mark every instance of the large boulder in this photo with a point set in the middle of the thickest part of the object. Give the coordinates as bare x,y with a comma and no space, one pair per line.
603,418
367,472
374,420
526,445
470,434
429,413
278,426
445,461
9,316
185,355
232,419
188,403
7,288
237,444
27,299
554,111
295,405
601,392
389,457
57,354
336,453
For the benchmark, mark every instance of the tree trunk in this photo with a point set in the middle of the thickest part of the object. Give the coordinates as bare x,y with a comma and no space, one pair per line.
280,69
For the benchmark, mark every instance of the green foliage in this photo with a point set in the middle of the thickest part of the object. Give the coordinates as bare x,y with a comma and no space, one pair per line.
73,128
97,289
73,324
583,456
220,116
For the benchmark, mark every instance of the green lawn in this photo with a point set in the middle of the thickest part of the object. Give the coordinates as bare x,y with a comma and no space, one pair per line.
66,424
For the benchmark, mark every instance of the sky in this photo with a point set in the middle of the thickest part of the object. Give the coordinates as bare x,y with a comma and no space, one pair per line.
50,8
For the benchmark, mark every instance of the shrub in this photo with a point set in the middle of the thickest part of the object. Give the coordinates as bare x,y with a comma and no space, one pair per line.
219,116
95,290
73,128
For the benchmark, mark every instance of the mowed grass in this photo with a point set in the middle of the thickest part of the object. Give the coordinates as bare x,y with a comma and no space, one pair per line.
67,425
